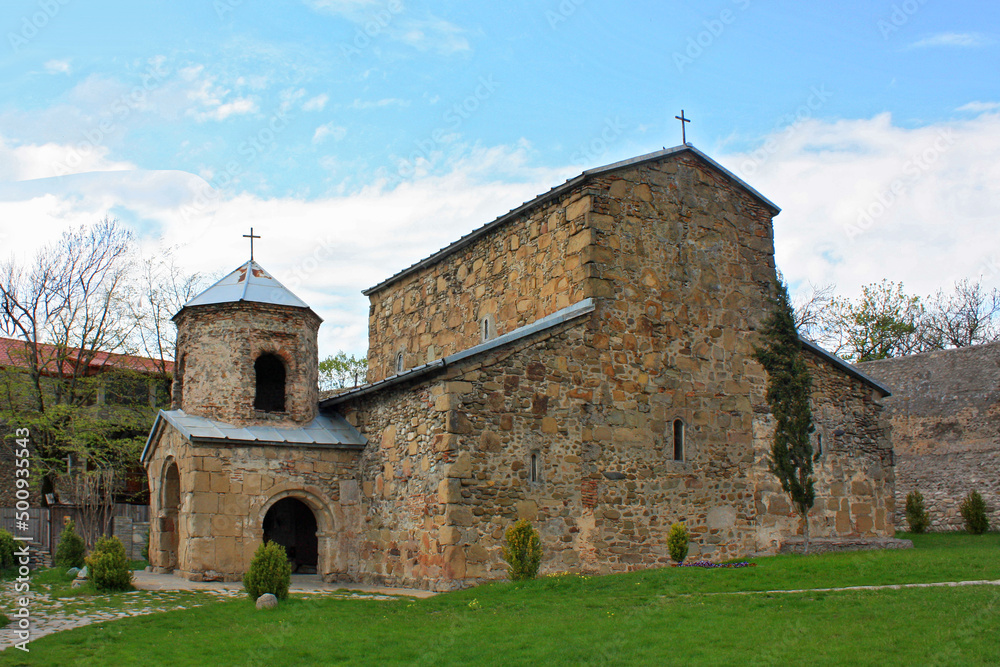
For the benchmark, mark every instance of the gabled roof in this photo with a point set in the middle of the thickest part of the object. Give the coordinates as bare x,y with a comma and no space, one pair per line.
331,431
55,361
249,282
568,313
559,190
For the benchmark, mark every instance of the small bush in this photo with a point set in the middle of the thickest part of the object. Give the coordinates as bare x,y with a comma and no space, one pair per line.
523,551
270,572
7,548
974,512
916,515
71,548
108,566
677,542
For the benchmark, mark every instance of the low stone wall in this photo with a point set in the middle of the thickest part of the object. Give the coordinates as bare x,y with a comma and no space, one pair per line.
819,545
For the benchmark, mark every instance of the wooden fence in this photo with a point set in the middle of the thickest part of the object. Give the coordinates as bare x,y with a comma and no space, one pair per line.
45,523
37,524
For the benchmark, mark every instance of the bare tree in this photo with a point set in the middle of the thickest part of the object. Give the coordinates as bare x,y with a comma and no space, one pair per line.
158,292
812,312
66,307
967,316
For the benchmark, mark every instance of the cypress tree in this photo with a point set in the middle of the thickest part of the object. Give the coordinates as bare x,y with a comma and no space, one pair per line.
788,388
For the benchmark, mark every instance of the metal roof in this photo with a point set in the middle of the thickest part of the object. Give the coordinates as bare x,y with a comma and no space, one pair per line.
324,431
565,315
560,190
249,282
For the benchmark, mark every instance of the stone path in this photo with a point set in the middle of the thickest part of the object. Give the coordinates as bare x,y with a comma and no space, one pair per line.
157,593
894,587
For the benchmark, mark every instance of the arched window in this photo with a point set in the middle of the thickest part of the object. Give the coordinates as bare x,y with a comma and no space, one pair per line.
533,467
270,372
678,440
487,329
819,446
400,367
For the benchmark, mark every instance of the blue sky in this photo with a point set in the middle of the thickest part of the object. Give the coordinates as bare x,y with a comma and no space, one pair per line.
358,136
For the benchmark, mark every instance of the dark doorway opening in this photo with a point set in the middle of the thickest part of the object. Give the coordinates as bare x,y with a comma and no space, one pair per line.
270,372
292,524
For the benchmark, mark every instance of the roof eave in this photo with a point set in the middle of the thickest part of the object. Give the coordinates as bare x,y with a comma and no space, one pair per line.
845,366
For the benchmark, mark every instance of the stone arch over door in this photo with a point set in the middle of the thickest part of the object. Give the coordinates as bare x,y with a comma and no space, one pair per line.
321,508
169,500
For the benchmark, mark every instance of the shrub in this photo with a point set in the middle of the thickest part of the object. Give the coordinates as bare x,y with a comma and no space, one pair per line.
916,515
71,548
108,565
270,572
7,548
677,542
974,512
523,551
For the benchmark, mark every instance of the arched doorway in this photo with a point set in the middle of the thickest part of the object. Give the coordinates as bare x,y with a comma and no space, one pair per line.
170,502
292,524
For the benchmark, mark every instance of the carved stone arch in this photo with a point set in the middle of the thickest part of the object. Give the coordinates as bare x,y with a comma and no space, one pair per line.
321,507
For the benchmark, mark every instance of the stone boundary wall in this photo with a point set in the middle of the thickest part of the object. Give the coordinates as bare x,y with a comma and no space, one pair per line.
945,415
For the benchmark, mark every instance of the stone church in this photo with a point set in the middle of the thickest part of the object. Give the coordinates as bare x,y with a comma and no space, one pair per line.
583,361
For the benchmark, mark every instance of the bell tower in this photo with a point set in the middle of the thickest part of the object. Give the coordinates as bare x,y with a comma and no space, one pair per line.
247,353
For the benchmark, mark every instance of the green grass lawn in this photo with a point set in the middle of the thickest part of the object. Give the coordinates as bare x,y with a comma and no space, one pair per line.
666,616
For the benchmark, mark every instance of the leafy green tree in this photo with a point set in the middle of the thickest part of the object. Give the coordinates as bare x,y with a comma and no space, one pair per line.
70,550
340,371
885,322
788,389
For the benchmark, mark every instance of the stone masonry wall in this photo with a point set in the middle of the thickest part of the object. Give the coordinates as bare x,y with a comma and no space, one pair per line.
854,475
215,377
526,270
713,238
945,414
443,490
226,491
681,263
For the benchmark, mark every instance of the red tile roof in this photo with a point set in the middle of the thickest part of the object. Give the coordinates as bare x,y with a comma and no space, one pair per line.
14,353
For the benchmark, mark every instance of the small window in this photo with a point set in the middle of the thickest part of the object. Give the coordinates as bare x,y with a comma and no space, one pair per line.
487,329
533,467
270,372
678,440
819,446
400,366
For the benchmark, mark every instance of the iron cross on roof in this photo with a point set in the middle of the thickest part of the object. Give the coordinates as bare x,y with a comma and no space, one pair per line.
684,122
252,237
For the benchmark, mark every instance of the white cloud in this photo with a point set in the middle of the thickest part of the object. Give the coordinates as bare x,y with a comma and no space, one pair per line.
57,66
336,132
316,103
212,101
22,162
376,104
325,250
961,39
864,200
979,107
435,35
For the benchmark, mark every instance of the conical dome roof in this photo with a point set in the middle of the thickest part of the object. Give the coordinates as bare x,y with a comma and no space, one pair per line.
250,282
